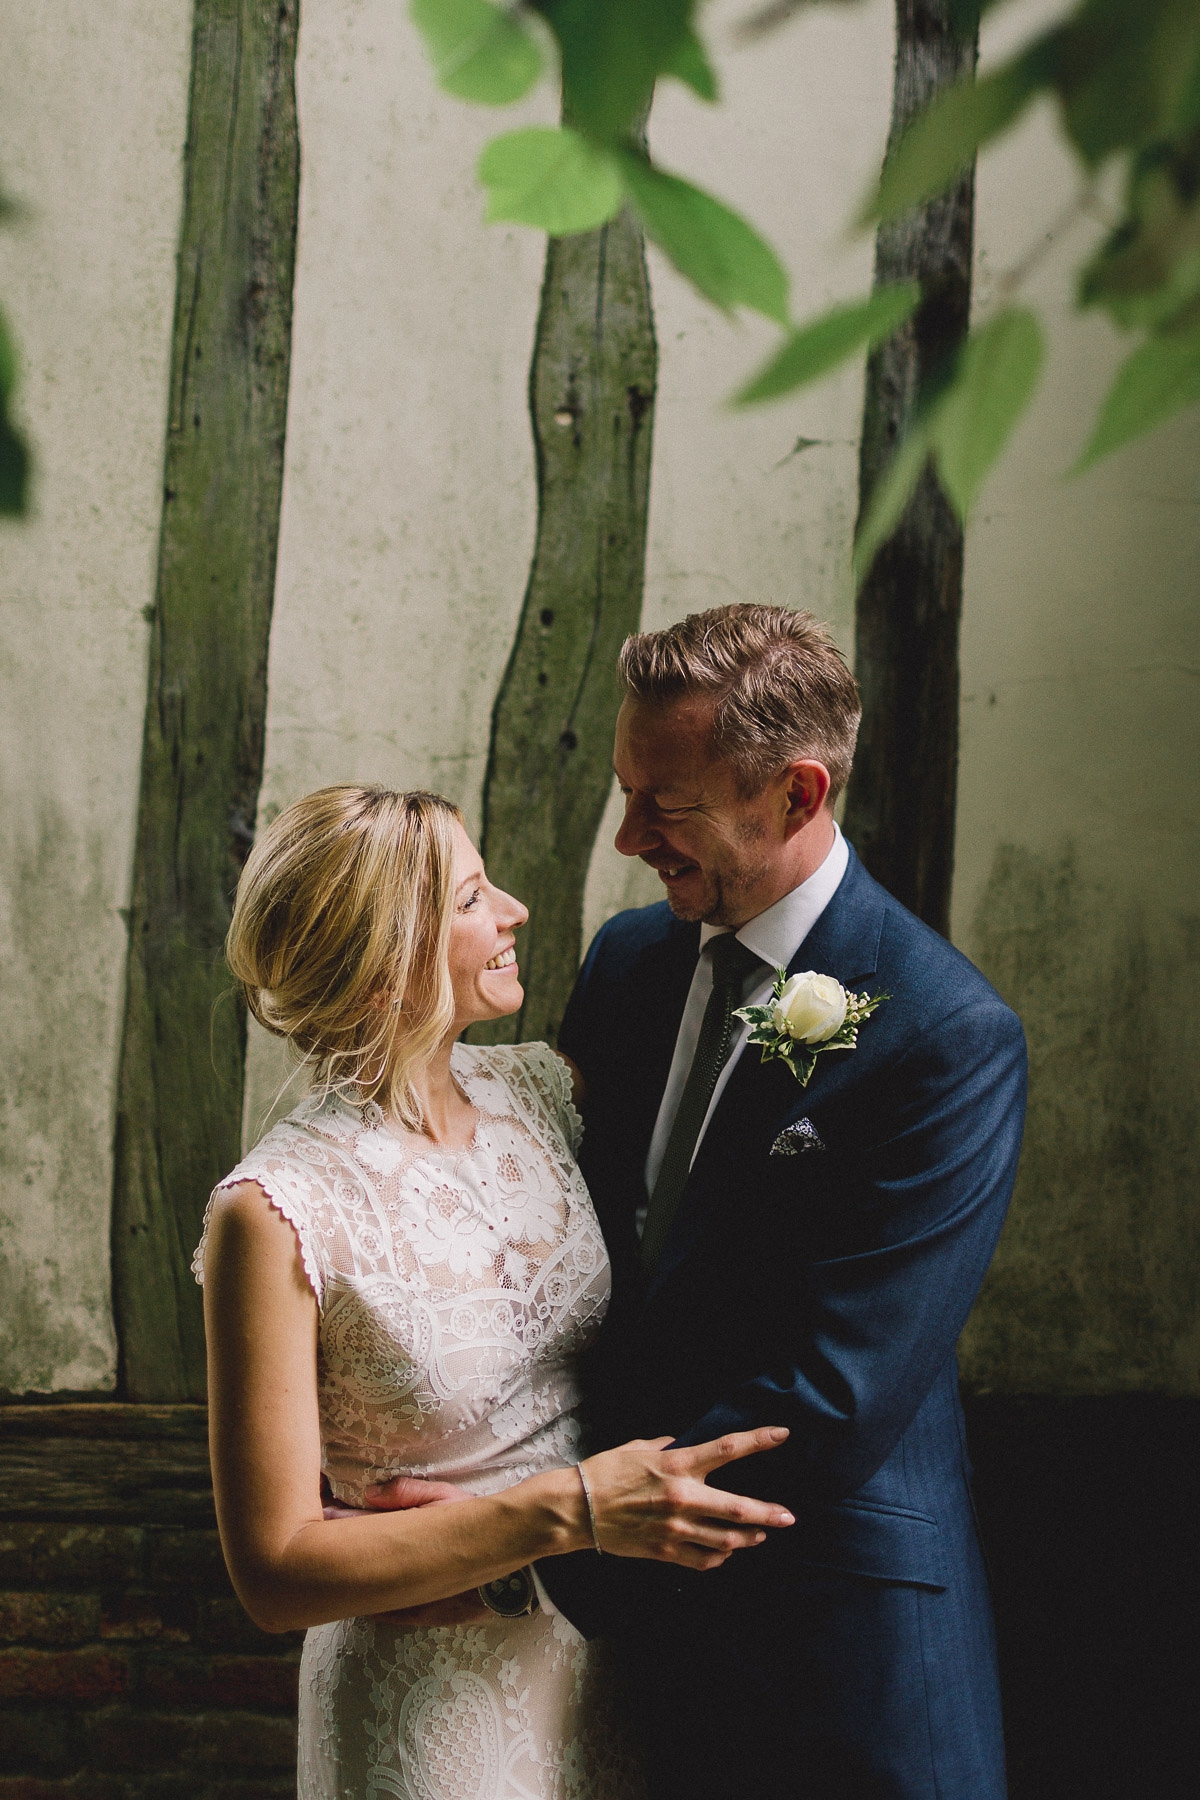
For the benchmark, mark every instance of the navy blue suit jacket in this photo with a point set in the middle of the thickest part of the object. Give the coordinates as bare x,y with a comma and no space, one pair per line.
825,1291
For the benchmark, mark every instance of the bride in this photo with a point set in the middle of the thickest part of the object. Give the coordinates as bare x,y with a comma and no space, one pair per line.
399,1280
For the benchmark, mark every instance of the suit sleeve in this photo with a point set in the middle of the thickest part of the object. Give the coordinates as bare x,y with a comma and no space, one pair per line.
878,1322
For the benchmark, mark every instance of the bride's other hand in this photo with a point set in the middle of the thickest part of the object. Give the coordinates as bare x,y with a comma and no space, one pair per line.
653,1502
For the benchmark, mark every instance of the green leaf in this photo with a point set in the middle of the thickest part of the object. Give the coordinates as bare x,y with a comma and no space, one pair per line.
14,458
1149,269
814,349
942,140
550,178
690,64
717,250
1123,70
1160,378
993,382
478,52
892,493
612,51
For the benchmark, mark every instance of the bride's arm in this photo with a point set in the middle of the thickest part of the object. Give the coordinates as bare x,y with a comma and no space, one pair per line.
292,1568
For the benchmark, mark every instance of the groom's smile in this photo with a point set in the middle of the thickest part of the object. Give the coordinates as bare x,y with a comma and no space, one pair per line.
722,855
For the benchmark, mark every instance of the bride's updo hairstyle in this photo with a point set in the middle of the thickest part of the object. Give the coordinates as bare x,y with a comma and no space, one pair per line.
340,937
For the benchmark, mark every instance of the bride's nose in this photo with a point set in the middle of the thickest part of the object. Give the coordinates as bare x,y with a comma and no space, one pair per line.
511,913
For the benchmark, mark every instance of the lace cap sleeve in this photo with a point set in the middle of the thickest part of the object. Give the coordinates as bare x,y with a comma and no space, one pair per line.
285,1188
551,1079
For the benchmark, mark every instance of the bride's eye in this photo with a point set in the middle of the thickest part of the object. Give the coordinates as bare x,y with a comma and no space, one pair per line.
470,900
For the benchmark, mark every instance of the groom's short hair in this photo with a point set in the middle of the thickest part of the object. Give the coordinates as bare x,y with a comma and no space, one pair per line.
781,686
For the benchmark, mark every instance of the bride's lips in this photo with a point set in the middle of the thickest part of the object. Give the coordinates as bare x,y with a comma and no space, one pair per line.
504,962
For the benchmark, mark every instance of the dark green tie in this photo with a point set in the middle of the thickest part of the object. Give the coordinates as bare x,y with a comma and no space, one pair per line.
731,963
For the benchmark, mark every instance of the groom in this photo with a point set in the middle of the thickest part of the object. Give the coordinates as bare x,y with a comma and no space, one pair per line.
785,1254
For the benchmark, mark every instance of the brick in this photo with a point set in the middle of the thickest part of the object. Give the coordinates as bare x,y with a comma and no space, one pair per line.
169,1617
222,1623
33,1787
122,1739
257,1682
244,1741
86,1786
191,1683
48,1618
281,1787
72,1556
39,1740
90,1674
188,1559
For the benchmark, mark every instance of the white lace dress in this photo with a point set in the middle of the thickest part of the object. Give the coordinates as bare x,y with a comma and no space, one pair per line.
456,1290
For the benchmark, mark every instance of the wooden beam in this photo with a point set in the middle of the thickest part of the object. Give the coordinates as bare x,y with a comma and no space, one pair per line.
549,769
180,1085
901,800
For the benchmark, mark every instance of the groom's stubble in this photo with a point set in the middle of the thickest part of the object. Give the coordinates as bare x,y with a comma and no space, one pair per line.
726,885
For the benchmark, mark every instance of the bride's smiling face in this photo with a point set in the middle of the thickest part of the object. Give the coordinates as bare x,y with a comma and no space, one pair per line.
483,957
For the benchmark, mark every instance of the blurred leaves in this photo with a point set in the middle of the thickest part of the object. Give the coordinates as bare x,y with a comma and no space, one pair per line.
715,248
941,142
689,63
612,52
815,349
964,426
1160,378
478,52
14,458
550,178
993,383
1124,75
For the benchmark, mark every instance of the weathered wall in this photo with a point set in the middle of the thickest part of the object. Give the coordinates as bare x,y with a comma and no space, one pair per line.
92,121
407,526
1079,843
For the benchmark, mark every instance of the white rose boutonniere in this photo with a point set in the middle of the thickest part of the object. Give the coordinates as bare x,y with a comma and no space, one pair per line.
807,1014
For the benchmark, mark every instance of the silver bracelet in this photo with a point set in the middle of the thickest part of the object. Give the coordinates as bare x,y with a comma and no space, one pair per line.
587,1494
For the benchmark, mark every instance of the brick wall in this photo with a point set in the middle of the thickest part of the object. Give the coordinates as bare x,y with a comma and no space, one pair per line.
128,1670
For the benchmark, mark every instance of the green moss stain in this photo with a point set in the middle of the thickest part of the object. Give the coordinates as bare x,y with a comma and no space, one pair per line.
60,954
1094,1287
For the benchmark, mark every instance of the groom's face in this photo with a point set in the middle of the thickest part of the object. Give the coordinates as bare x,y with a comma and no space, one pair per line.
713,848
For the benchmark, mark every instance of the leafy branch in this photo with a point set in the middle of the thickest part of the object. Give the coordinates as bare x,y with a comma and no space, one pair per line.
1125,76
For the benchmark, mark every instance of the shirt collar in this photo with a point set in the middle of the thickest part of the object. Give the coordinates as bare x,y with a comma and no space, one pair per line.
776,934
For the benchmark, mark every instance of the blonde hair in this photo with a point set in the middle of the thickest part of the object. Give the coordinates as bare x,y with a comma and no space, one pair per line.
340,937
781,686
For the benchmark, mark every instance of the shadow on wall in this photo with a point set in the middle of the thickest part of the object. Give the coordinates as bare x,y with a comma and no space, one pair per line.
1094,1287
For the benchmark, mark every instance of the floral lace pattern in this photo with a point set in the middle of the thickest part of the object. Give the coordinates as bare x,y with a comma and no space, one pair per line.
456,1290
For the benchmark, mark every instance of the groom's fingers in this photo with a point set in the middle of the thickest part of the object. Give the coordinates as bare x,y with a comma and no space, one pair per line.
702,1459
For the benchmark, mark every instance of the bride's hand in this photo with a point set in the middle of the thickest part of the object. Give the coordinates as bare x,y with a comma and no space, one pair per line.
653,1502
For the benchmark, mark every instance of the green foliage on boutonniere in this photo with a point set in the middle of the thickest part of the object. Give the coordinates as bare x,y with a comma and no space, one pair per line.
807,1014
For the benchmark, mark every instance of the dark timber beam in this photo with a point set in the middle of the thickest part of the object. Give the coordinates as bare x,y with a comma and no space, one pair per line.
180,1086
549,769
901,800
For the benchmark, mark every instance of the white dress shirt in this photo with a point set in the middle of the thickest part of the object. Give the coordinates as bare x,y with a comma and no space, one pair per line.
775,936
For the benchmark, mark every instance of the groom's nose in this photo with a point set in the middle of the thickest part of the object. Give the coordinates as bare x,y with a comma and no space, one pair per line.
636,833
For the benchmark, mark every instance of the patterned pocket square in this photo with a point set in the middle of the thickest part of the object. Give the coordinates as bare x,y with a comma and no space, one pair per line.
798,1139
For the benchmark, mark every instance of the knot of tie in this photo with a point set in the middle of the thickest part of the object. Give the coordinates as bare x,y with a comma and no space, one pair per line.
731,960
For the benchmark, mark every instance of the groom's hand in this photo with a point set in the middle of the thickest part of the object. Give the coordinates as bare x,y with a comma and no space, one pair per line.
398,1495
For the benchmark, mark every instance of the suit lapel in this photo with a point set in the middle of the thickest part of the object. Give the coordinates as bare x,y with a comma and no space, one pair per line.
843,943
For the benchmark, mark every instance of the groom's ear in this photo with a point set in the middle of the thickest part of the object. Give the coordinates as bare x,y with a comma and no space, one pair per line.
807,790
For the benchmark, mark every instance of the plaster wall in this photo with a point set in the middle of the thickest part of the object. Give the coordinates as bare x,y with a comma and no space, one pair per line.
93,105
407,528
